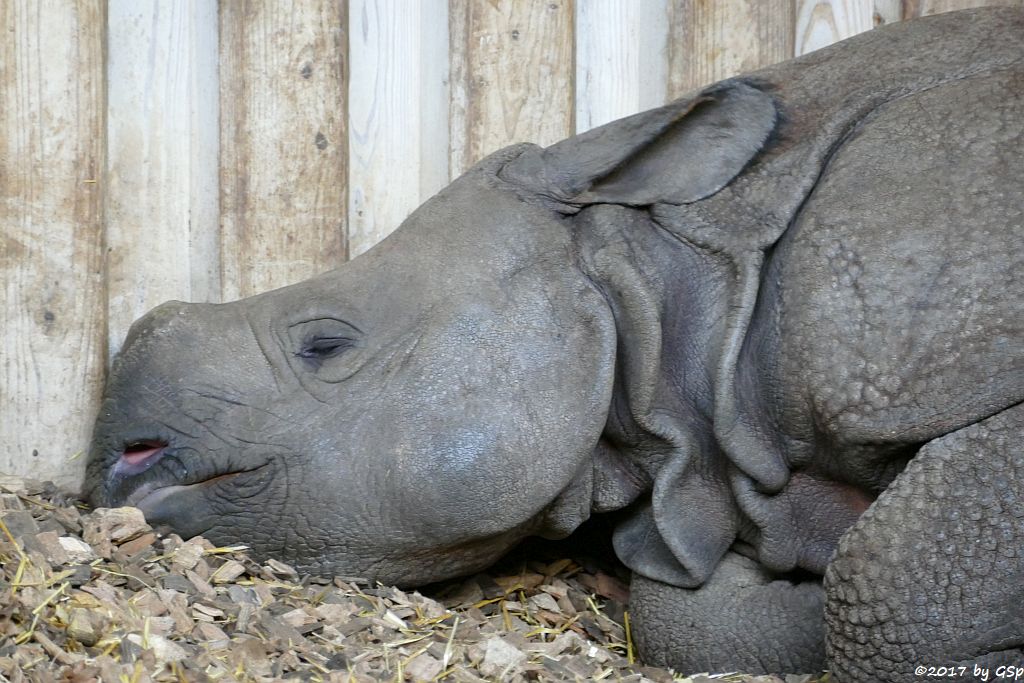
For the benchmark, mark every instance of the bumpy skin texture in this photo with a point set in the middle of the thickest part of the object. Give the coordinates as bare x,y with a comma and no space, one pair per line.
734,319
931,575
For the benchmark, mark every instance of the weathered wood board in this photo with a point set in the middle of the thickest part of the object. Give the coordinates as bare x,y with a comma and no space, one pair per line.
398,131
283,142
823,22
620,59
923,8
161,196
511,76
53,308
710,41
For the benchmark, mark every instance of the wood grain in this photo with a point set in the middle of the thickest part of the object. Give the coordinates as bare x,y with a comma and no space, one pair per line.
398,135
887,12
709,41
283,142
53,307
924,8
823,22
162,166
511,76
621,60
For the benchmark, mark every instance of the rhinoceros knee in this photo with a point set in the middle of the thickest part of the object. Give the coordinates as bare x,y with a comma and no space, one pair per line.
931,578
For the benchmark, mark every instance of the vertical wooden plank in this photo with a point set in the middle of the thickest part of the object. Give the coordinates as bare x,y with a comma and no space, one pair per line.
710,41
398,114
512,76
621,59
52,309
888,12
435,70
283,141
823,22
162,171
924,8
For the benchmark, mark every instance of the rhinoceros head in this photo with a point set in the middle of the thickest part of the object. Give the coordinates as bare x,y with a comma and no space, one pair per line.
415,412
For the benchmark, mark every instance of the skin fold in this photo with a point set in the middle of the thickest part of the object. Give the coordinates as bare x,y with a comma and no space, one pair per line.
777,325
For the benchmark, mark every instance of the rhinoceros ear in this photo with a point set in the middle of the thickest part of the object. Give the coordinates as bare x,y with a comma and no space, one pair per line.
676,154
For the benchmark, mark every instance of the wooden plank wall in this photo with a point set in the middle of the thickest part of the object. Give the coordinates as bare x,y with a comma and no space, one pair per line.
205,151
53,313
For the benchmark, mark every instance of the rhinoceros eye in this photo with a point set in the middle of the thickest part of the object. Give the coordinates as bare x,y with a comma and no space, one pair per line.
321,348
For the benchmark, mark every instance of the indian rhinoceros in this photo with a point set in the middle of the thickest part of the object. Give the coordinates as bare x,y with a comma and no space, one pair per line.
778,325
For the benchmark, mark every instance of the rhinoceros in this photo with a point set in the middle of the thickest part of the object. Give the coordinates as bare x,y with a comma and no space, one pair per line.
775,326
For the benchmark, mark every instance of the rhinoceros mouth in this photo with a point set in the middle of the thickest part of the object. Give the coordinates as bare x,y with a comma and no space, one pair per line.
139,456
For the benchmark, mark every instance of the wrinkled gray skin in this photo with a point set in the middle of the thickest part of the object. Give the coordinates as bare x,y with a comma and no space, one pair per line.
735,319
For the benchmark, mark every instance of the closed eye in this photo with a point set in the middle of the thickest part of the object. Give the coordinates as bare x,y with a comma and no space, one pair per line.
326,349
322,348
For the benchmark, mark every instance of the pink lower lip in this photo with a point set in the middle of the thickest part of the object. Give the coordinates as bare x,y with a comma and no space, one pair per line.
137,457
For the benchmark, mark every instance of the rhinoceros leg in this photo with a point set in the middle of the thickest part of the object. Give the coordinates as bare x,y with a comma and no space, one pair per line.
932,575
741,619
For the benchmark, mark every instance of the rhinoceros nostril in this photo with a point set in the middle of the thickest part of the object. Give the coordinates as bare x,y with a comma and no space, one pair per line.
141,452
